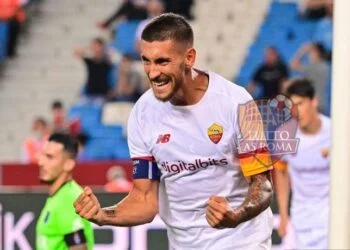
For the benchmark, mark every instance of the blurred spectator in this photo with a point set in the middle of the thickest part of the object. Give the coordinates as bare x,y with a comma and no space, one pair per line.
98,66
313,9
128,87
270,74
34,144
324,29
11,11
58,116
60,123
317,70
129,10
117,181
182,7
154,8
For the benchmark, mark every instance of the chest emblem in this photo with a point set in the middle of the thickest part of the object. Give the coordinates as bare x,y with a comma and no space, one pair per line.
215,132
47,216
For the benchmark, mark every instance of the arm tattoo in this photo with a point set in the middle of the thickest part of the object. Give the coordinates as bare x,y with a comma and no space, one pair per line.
110,211
258,199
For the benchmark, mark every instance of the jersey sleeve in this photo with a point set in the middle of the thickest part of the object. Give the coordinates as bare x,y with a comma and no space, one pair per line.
144,165
253,153
137,146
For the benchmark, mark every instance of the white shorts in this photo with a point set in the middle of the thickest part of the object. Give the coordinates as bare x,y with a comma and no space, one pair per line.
265,245
311,238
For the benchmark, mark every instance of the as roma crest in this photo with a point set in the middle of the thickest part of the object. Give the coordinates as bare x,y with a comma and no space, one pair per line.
215,132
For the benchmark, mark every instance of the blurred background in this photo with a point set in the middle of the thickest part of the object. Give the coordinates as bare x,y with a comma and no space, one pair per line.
74,66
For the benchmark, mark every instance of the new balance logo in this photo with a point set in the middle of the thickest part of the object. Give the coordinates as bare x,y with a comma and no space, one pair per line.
163,138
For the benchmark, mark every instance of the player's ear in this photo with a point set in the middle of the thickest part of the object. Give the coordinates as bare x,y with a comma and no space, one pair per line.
190,57
69,165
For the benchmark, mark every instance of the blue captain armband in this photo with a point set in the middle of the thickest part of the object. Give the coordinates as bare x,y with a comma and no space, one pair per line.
145,169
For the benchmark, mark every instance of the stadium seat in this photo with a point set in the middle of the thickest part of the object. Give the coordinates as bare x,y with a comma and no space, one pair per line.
125,37
3,40
116,113
282,29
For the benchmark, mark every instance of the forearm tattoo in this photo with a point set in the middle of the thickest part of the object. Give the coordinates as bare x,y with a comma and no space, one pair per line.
110,211
258,199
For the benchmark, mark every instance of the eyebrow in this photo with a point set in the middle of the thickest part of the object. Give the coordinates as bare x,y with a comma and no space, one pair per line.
49,155
158,60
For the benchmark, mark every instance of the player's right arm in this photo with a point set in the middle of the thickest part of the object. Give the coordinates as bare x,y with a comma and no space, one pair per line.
283,190
140,206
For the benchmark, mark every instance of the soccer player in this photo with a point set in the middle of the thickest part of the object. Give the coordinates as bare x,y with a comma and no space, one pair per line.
307,171
183,137
58,226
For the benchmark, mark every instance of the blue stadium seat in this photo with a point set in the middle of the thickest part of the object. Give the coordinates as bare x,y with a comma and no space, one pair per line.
124,39
89,115
99,149
3,40
122,151
283,29
106,142
110,132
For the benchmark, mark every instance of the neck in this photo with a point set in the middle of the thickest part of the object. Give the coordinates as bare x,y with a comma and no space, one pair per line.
314,126
59,182
192,90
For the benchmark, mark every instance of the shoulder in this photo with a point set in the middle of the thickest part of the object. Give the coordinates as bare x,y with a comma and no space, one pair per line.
144,106
70,191
87,59
228,90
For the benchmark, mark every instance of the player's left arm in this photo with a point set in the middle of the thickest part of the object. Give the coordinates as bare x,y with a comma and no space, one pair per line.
255,166
221,215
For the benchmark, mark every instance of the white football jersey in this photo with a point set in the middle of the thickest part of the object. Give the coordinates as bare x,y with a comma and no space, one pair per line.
309,173
195,148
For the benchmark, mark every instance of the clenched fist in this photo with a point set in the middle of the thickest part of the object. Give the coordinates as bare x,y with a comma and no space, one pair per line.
87,206
219,214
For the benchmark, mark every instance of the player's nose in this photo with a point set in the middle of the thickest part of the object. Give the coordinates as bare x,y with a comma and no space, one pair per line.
153,73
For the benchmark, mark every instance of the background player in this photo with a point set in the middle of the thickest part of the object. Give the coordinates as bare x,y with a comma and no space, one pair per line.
187,127
308,171
59,227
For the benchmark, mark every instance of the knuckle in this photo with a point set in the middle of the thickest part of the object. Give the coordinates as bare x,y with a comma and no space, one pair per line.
220,217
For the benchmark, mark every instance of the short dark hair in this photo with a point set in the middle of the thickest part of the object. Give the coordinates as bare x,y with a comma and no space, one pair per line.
40,120
168,26
57,105
99,41
321,50
82,138
301,87
70,145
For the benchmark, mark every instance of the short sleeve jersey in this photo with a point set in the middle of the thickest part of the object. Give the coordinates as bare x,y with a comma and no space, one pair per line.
195,148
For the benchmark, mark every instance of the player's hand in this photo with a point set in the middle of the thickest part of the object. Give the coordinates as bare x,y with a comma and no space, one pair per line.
219,214
88,207
282,228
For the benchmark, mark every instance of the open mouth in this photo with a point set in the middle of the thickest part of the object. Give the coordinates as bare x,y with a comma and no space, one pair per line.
160,83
